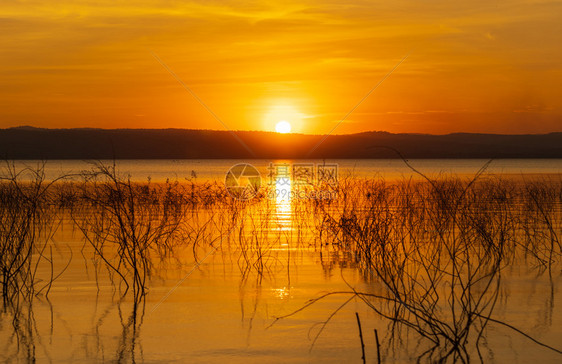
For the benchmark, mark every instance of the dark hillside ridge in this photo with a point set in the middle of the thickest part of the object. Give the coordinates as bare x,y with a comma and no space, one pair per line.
35,143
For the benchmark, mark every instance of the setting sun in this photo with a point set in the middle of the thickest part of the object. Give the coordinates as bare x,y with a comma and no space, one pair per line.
283,127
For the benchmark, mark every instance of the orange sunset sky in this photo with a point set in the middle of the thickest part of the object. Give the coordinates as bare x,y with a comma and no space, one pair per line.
474,66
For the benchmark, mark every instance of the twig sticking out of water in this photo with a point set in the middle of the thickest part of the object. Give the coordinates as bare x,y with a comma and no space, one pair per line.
361,338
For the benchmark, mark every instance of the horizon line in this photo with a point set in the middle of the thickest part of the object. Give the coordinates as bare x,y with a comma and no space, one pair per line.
30,127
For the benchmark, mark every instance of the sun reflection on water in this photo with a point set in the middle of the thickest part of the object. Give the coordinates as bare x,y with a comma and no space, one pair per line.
282,293
283,203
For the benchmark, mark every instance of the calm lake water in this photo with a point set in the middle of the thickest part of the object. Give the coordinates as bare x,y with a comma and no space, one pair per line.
215,169
222,311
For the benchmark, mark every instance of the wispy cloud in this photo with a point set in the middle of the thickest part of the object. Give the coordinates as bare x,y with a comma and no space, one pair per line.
84,63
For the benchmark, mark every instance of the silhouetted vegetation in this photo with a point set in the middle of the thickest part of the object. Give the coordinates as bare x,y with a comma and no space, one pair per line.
431,251
438,248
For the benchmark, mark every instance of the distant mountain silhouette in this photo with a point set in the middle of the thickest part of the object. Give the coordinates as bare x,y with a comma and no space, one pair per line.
35,143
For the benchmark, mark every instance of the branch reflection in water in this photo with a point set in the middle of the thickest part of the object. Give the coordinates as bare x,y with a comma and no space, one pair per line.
434,259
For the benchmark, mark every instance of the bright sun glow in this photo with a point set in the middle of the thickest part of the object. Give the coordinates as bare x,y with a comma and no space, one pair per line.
283,127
